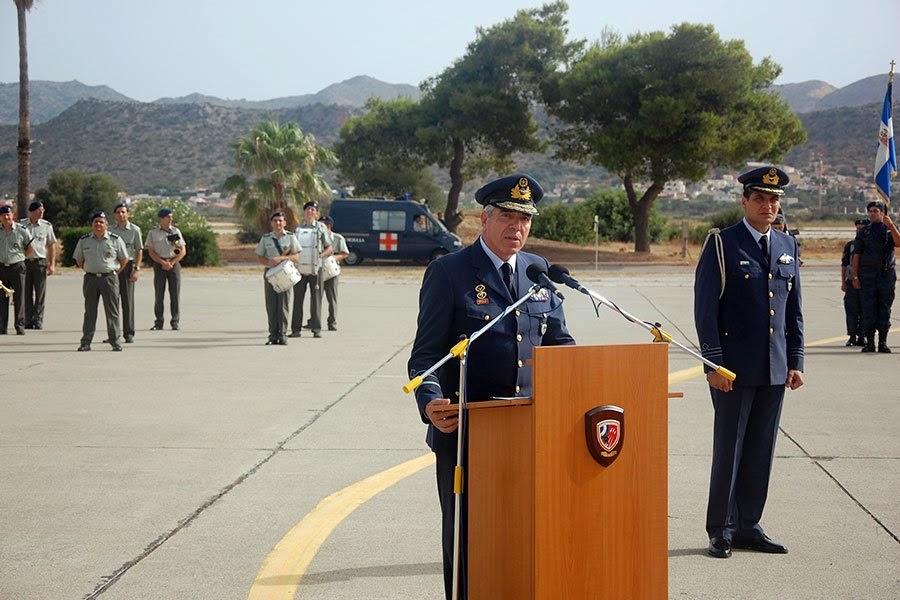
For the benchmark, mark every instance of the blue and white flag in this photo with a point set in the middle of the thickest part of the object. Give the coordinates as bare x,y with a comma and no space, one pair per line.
886,157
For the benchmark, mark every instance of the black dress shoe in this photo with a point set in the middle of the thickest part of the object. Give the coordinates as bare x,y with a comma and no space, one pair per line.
884,349
760,544
282,341
868,348
37,326
156,328
270,342
851,341
20,331
116,347
174,327
294,334
317,334
84,348
129,339
332,328
719,547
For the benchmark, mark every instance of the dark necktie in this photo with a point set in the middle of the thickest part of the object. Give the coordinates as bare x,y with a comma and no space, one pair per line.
764,246
508,279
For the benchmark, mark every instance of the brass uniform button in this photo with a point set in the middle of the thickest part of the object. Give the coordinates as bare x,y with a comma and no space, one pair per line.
519,337
520,364
771,294
518,389
518,313
771,331
770,276
487,317
772,312
746,275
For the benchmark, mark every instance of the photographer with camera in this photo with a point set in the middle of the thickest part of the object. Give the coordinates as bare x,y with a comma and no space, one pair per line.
166,247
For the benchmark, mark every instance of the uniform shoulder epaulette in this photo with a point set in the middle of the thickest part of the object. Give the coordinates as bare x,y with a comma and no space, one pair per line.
113,235
86,236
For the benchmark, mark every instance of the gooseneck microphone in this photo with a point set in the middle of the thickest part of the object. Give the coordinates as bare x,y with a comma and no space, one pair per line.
538,273
560,274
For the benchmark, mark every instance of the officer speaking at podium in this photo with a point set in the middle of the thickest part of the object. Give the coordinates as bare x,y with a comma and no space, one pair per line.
460,293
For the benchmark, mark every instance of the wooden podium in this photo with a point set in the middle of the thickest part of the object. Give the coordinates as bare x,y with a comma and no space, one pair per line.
546,520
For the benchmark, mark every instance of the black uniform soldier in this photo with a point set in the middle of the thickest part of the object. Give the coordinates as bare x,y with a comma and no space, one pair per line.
852,296
39,265
102,255
874,264
133,238
15,245
166,247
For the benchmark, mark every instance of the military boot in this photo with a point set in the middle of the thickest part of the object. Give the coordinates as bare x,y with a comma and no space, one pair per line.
851,341
882,343
870,343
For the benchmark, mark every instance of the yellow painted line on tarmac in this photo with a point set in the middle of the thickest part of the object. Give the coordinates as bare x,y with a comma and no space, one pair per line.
281,571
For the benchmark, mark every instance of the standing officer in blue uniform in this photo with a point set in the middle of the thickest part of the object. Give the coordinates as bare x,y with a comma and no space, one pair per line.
874,265
460,293
754,327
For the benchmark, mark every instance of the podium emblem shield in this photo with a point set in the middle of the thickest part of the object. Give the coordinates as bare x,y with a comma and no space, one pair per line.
605,429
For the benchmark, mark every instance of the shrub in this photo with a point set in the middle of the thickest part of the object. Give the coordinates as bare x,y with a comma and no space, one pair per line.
69,237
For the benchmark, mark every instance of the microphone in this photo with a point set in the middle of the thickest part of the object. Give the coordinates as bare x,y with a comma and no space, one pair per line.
538,273
560,274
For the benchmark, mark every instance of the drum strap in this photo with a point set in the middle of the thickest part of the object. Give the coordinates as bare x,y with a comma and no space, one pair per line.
278,246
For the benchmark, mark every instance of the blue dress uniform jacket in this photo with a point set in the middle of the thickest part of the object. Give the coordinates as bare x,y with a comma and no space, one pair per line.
756,328
461,293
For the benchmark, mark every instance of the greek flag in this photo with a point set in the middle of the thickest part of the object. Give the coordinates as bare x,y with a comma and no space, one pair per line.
886,157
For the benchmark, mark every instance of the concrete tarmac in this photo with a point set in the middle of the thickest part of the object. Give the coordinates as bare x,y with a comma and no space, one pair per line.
201,464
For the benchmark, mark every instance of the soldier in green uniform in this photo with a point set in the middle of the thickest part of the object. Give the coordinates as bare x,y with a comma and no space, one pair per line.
15,245
313,281
330,286
167,249
102,255
275,247
39,265
134,245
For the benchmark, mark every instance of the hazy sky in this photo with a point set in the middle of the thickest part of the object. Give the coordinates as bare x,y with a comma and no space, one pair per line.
262,49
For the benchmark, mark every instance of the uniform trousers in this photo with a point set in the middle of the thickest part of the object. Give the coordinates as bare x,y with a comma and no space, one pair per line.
126,296
744,432
445,465
314,283
877,299
853,310
330,286
35,290
278,310
13,277
96,287
162,278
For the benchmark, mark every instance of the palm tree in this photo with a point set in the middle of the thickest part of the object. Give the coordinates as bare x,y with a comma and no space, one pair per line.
278,167
24,144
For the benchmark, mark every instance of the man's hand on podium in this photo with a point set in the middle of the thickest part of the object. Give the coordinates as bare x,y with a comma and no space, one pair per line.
444,418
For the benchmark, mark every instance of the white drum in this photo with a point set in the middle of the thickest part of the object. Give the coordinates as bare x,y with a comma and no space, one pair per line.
308,261
283,276
330,268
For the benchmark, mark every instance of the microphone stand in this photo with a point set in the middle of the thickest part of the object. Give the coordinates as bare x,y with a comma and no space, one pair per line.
460,350
658,334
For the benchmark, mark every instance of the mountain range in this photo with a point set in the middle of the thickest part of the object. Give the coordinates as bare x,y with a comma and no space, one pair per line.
176,143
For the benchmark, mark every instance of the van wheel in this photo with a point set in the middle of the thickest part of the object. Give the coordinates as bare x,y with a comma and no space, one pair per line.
437,254
353,258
